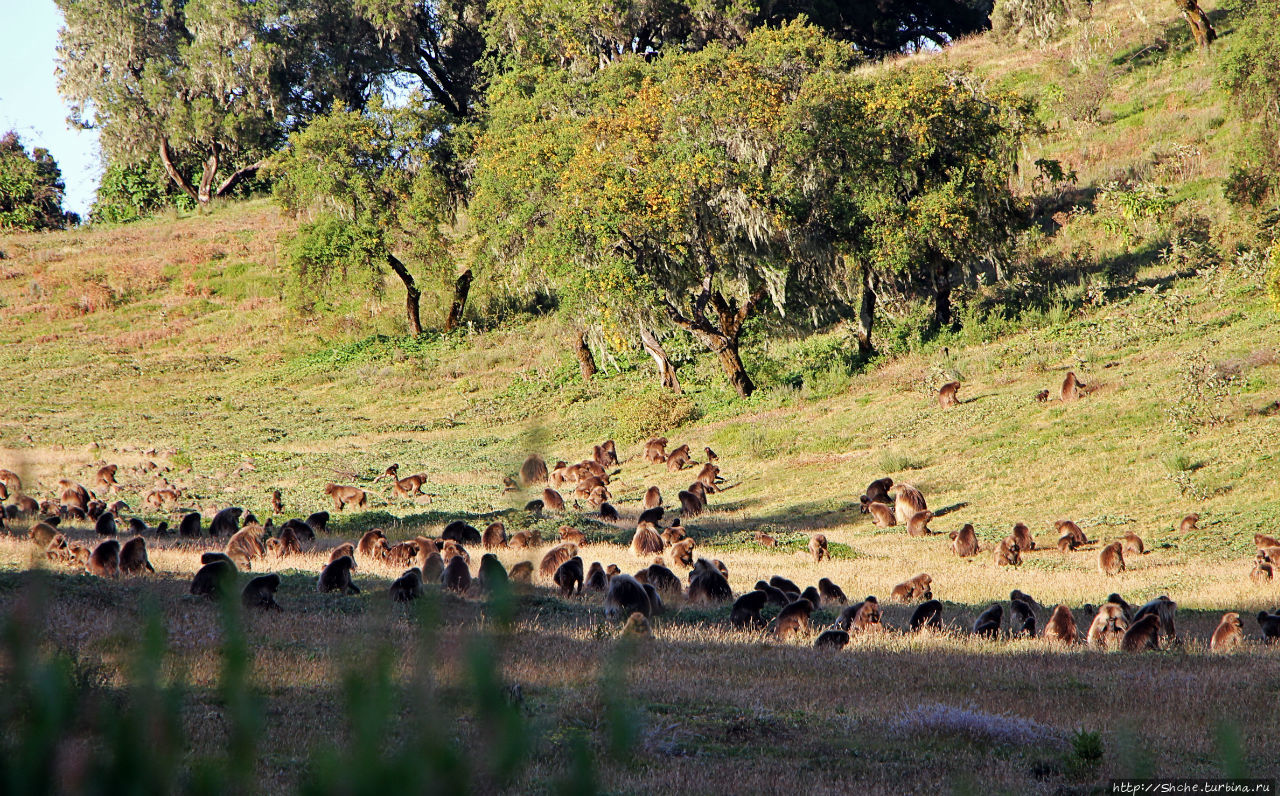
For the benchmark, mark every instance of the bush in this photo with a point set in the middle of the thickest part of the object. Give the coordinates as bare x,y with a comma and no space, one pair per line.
1273,276
130,193
651,412
1035,21
31,188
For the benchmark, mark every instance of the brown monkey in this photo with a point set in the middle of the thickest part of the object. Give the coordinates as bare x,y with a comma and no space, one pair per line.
569,578
342,495
927,616
918,525
1023,619
451,549
260,593
709,476
1143,634
133,557
1069,528
608,513
787,585
626,596
678,459
216,555
277,504
878,491
1270,626
402,554
708,584
491,575
1072,388
1008,554
23,506
189,525
1067,543
673,534
1061,627
646,542
520,540
765,540
1228,635
106,478
1133,543
1042,396
907,501
243,547
1022,535
682,554
226,521
344,549
818,548
373,544
336,576
11,480
655,450
1263,572
568,534
746,611
555,557
407,586
1261,540
533,471
214,579
495,536
461,532
662,579
105,560
690,504
1189,523
881,515
551,500
652,498
964,542
42,533
947,394
608,454
912,589
433,567
863,617
793,620
637,627
988,622
831,639
409,486
1026,598
831,593
1111,559
596,579
1164,609
456,576
79,553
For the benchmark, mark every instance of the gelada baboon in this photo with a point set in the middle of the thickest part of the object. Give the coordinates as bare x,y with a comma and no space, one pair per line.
106,478
11,480
1269,624
1111,559
646,542
105,560
681,553
947,394
678,459
793,620
608,513
226,522
988,622
785,584
344,549
863,617
373,544
831,639
907,501
596,580
1007,554
106,525
881,515
1228,635
1261,540
708,584
495,536
765,540
1133,543
964,542
1023,619
927,616
569,577
709,477
214,579
521,572
552,501
555,557
818,548
407,587
1263,570
490,575
42,533
1061,627
533,471
1164,609
317,523
243,547
260,593
831,593
745,614
402,554
655,450
461,532
912,589
690,504
133,557
1022,535
1072,388
1143,634
409,486
277,503
570,534
626,596
336,576
878,492
1189,523
433,567
1042,396
918,525
344,495
652,498
637,626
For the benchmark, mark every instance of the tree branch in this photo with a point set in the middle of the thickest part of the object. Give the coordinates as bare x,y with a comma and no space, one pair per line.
167,159
239,175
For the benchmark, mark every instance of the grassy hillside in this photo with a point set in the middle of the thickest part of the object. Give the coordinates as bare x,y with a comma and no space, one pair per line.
171,341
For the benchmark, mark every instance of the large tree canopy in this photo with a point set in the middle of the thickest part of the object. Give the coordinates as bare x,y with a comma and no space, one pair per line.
708,186
31,188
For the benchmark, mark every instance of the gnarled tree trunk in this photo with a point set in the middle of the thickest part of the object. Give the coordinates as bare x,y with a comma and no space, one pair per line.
866,312
412,294
205,191
722,341
942,295
1201,29
666,371
461,289
586,362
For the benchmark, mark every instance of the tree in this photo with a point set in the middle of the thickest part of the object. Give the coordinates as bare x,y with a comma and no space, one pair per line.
31,188
209,88
1202,29
364,182
710,187
1250,71
886,27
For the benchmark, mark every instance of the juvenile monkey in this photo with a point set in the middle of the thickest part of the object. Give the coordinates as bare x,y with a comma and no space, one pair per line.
818,548
1007,554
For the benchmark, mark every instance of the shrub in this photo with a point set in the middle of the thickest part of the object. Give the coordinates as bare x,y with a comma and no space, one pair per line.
651,412
1035,21
1273,276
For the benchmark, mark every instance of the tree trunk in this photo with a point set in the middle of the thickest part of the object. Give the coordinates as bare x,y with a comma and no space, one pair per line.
666,371
942,296
206,178
586,362
1201,29
866,313
166,159
412,295
461,289
732,364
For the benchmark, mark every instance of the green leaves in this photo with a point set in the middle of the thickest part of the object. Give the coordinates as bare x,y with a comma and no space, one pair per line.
31,188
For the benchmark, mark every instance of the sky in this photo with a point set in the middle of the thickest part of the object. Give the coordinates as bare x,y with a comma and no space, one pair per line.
29,101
